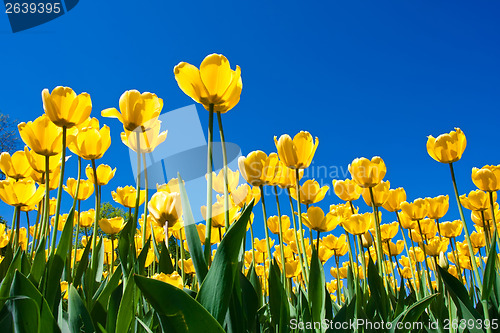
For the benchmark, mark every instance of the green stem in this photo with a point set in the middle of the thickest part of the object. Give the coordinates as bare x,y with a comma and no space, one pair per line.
282,249
138,181
299,212
35,232
59,191
146,200
46,222
17,214
466,230
96,219
75,246
303,270
381,265
494,218
208,227
225,171
266,229
408,252
423,237
182,257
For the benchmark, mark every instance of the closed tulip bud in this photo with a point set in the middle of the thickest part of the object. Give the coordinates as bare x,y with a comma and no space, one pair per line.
15,166
346,190
233,178
366,240
173,279
144,140
436,246
87,218
252,167
310,192
20,193
448,147
416,254
299,152
477,239
273,224
42,136
388,231
112,226
438,206
367,173
84,192
487,178
417,210
126,196
215,83
90,142
451,229
166,208
260,245
136,109
317,220
394,200
380,194
65,108
477,200
359,224
104,174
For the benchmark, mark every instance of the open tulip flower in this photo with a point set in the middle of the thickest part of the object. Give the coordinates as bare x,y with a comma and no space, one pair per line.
477,200
84,192
104,174
273,223
218,180
367,173
65,108
15,166
380,194
144,141
451,229
42,136
90,142
448,147
126,196
316,219
394,200
112,226
310,192
299,152
487,178
165,208
436,246
37,161
215,83
359,224
346,190
20,193
252,167
417,210
136,110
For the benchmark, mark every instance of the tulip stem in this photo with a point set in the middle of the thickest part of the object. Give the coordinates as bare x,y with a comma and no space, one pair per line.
208,227
268,243
46,207
35,232
112,265
182,256
146,201
225,171
408,252
493,217
299,212
380,262
59,191
466,230
138,181
283,273
303,270
253,247
96,219
76,237
17,215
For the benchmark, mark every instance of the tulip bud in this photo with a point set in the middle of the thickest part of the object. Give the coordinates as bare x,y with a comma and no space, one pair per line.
443,262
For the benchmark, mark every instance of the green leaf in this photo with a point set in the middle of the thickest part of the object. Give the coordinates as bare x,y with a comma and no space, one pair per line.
278,301
78,316
113,306
25,314
215,291
316,289
100,305
179,311
39,264
165,261
412,314
250,301
378,292
192,237
9,276
22,286
126,309
490,272
83,264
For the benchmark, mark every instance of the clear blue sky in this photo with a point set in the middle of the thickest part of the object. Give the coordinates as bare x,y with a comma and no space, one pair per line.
366,77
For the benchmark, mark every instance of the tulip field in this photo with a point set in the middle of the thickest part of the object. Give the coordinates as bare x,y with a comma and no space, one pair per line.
376,262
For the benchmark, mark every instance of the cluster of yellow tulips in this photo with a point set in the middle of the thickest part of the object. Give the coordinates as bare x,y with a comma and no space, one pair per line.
424,242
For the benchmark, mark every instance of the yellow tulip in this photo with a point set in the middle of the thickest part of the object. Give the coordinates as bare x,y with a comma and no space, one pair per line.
64,289
394,200
148,139
299,152
37,161
260,245
417,210
477,217
336,244
367,173
271,171
233,178
451,229
448,147
215,83
15,166
292,269
478,239
477,200
20,193
366,240
428,227
310,192
346,190
438,206
87,218
90,142
359,224
487,178
287,177
112,226
165,208
171,186
380,194
126,196
251,167
104,174
243,194
53,178
316,219
159,233
436,246
62,220
174,279
417,254
136,109
388,231
406,221
325,253
84,192
65,108
42,136
188,266
393,249
218,213
273,224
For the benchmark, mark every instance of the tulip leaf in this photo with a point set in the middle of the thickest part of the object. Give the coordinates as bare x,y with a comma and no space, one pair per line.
22,286
113,307
178,311
141,259
98,310
9,276
39,264
192,237
126,309
316,288
411,314
278,300
5,264
83,264
378,292
249,300
25,314
165,261
490,271
215,291
78,317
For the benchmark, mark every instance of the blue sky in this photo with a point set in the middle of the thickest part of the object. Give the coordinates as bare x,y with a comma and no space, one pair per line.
367,77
